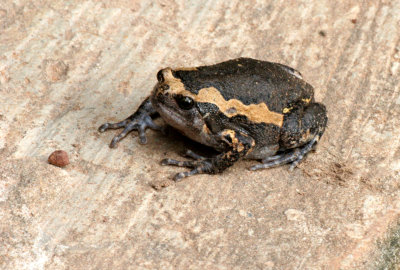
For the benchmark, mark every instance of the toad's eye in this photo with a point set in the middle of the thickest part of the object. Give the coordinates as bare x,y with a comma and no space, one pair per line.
160,76
185,103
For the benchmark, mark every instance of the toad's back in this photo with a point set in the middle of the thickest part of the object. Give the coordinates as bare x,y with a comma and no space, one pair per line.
250,81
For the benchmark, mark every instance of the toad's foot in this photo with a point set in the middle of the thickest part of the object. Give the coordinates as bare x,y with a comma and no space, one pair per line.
140,121
199,166
140,124
237,146
193,155
293,157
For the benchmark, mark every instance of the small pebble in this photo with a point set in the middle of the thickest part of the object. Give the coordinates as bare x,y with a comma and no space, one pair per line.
322,33
59,158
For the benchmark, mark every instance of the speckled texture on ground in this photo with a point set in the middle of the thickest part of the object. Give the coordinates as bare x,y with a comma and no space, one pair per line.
68,66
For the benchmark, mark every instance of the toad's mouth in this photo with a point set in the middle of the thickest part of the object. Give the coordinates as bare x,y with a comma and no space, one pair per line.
190,123
172,116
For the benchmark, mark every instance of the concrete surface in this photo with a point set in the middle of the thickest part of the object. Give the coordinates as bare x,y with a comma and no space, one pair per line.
68,66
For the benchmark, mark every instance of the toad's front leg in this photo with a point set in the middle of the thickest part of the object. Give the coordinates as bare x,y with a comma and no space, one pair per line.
140,121
237,145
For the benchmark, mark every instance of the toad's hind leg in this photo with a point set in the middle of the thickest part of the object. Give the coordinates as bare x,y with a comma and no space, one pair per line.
293,157
301,130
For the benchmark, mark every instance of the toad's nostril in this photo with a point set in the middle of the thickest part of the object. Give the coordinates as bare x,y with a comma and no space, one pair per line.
162,88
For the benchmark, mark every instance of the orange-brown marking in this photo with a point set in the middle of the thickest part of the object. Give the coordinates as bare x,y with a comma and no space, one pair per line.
258,113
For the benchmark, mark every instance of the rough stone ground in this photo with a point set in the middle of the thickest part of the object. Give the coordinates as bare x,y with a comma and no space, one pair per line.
68,66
